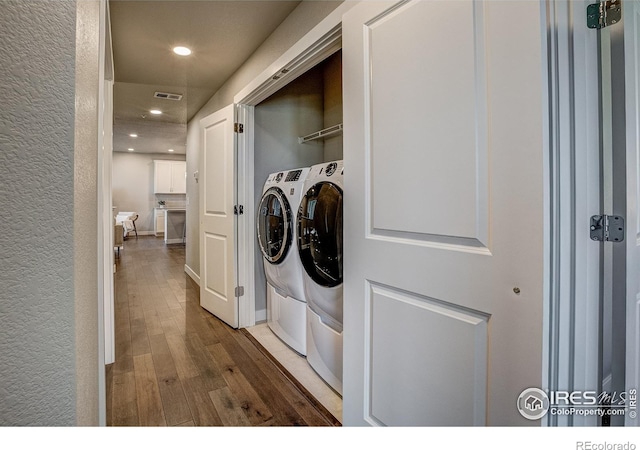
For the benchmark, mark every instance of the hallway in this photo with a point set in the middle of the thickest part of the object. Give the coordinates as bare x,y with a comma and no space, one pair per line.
176,364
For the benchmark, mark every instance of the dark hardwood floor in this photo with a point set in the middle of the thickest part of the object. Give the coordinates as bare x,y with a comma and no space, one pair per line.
177,364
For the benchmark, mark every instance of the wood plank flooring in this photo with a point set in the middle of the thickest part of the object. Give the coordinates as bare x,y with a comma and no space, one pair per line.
177,364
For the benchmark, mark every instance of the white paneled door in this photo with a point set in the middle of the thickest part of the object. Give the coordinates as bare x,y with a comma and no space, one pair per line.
444,119
217,220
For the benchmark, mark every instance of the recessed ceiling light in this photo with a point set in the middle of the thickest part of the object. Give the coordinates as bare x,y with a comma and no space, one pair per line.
130,149
170,149
155,111
133,135
182,51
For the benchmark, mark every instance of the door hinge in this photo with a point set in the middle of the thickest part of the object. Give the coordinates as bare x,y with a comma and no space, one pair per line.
238,127
239,291
607,228
238,210
604,13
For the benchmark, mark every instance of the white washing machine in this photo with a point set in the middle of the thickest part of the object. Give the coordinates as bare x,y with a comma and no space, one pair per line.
276,231
320,249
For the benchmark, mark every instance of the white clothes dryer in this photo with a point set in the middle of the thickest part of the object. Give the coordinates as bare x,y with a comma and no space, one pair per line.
276,233
320,249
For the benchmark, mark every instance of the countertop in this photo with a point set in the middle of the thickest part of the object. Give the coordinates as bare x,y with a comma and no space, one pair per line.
171,208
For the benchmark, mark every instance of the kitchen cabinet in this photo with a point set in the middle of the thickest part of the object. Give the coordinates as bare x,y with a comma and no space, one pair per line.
158,220
170,177
174,225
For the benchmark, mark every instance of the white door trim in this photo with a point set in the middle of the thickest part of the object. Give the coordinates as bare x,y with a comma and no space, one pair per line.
246,222
572,318
106,331
631,299
321,42
107,159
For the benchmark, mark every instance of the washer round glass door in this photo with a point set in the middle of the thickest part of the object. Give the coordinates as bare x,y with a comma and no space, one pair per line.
274,225
320,233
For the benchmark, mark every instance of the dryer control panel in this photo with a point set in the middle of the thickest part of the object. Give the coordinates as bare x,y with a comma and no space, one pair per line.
293,175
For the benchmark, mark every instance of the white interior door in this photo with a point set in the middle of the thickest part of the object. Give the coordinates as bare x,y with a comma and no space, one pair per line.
217,220
631,21
445,225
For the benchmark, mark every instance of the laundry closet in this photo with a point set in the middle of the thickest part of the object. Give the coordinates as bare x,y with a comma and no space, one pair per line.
297,128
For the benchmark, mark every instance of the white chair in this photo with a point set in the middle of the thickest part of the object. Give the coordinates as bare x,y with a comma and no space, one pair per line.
128,221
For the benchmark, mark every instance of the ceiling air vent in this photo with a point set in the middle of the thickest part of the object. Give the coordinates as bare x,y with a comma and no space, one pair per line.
168,96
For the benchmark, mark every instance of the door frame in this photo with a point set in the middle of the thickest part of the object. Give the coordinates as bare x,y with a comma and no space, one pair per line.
632,264
105,167
317,45
620,45
572,328
105,221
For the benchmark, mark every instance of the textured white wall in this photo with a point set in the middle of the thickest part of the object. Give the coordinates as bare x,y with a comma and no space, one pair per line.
133,185
37,300
307,15
48,301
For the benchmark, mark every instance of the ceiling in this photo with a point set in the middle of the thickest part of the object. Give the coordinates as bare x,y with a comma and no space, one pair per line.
221,35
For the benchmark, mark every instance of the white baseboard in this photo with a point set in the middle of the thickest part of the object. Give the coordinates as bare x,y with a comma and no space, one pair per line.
194,276
173,241
261,315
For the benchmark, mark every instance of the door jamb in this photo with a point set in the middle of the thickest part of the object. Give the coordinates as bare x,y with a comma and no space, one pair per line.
106,330
246,227
571,354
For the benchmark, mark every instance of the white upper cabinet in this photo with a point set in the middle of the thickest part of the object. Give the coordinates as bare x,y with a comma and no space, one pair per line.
179,177
170,177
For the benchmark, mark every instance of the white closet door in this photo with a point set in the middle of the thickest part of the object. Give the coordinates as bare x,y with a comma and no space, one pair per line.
444,211
217,221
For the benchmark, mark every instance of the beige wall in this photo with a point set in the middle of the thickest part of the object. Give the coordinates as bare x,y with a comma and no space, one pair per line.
306,16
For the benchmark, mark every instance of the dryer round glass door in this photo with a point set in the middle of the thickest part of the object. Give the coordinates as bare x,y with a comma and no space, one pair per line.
274,225
320,233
